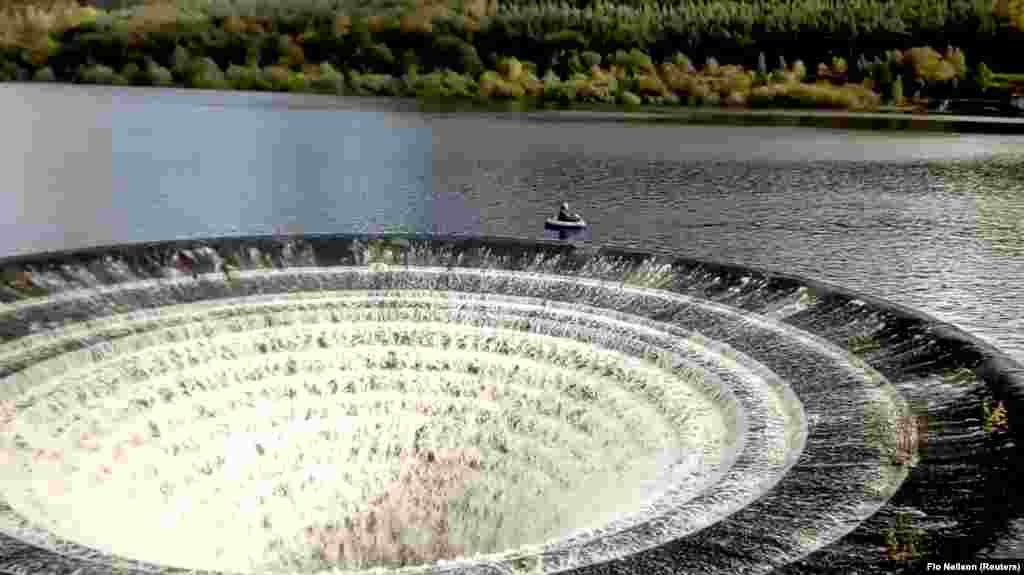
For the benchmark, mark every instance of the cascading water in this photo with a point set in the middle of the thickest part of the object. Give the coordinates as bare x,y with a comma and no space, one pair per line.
483,406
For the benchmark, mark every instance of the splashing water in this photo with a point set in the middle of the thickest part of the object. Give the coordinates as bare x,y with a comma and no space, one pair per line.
415,404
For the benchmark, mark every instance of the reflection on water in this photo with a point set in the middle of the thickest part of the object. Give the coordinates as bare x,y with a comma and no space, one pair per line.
996,188
326,170
924,219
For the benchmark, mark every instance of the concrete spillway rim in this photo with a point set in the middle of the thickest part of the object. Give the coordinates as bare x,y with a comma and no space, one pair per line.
1004,376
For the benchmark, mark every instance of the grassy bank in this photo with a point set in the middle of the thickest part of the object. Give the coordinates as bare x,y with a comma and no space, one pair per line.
542,55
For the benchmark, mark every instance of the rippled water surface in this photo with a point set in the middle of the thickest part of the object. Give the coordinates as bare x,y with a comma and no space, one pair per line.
933,221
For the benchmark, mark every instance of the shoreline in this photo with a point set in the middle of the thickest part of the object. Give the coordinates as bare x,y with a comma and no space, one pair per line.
874,121
886,119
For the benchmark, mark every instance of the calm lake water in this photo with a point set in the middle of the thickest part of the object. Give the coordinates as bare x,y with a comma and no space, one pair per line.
933,221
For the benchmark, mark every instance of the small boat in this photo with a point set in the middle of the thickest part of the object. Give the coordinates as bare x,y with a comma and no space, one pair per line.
564,225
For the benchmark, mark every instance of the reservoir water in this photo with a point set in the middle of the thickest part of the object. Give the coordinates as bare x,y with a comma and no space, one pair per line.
930,220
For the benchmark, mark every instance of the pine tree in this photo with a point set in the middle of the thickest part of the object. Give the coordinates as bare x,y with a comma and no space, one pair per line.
897,91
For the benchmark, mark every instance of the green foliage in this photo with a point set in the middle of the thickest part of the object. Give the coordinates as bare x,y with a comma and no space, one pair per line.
511,68
44,75
135,75
330,81
983,77
158,75
469,60
380,57
994,418
640,60
800,70
427,85
957,58
803,24
375,84
881,72
453,52
926,64
409,60
897,91
297,82
566,39
555,90
734,30
412,74
630,34
629,84
762,97
861,344
629,98
447,83
575,63
288,53
361,32
711,100
9,71
284,42
207,75
960,376
245,77
839,66
100,74
180,61
633,61
904,541
682,62
275,77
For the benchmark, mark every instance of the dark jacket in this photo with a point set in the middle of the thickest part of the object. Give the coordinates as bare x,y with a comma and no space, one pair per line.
567,217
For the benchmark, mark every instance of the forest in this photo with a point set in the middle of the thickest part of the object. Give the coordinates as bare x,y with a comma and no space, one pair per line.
845,54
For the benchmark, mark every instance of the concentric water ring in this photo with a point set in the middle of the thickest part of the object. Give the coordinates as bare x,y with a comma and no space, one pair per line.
604,419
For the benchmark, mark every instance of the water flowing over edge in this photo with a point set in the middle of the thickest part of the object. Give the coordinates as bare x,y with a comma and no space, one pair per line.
944,374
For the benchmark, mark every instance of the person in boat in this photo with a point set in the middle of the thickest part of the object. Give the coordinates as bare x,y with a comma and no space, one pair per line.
565,216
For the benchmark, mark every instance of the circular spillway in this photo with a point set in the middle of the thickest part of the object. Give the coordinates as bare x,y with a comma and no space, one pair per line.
298,416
